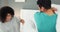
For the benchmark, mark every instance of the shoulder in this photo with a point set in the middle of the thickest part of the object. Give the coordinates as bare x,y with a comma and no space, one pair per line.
37,13
15,19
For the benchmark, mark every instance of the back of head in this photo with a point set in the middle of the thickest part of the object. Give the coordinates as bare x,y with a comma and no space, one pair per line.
44,3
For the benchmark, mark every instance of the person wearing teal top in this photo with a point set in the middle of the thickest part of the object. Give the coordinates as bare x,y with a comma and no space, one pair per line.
46,18
45,23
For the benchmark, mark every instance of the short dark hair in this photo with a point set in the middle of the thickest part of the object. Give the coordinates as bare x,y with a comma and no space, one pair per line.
4,11
44,3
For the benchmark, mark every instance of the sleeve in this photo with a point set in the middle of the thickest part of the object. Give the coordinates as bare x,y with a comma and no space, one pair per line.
16,24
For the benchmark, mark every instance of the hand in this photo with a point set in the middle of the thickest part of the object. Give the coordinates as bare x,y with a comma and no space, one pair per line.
54,9
22,21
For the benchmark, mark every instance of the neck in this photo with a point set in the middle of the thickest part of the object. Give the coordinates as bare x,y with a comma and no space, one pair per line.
49,12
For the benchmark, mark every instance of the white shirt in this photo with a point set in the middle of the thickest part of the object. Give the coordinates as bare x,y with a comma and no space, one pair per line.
11,26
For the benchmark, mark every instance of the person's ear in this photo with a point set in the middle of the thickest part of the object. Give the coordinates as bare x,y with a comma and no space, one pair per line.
43,9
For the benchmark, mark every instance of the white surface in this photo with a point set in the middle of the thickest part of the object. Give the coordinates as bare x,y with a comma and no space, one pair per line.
19,0
27,15
30,26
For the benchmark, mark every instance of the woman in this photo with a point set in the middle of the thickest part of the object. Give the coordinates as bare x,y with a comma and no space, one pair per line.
46,18
9,23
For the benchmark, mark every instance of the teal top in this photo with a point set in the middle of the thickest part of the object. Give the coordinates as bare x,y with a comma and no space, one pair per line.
44,22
